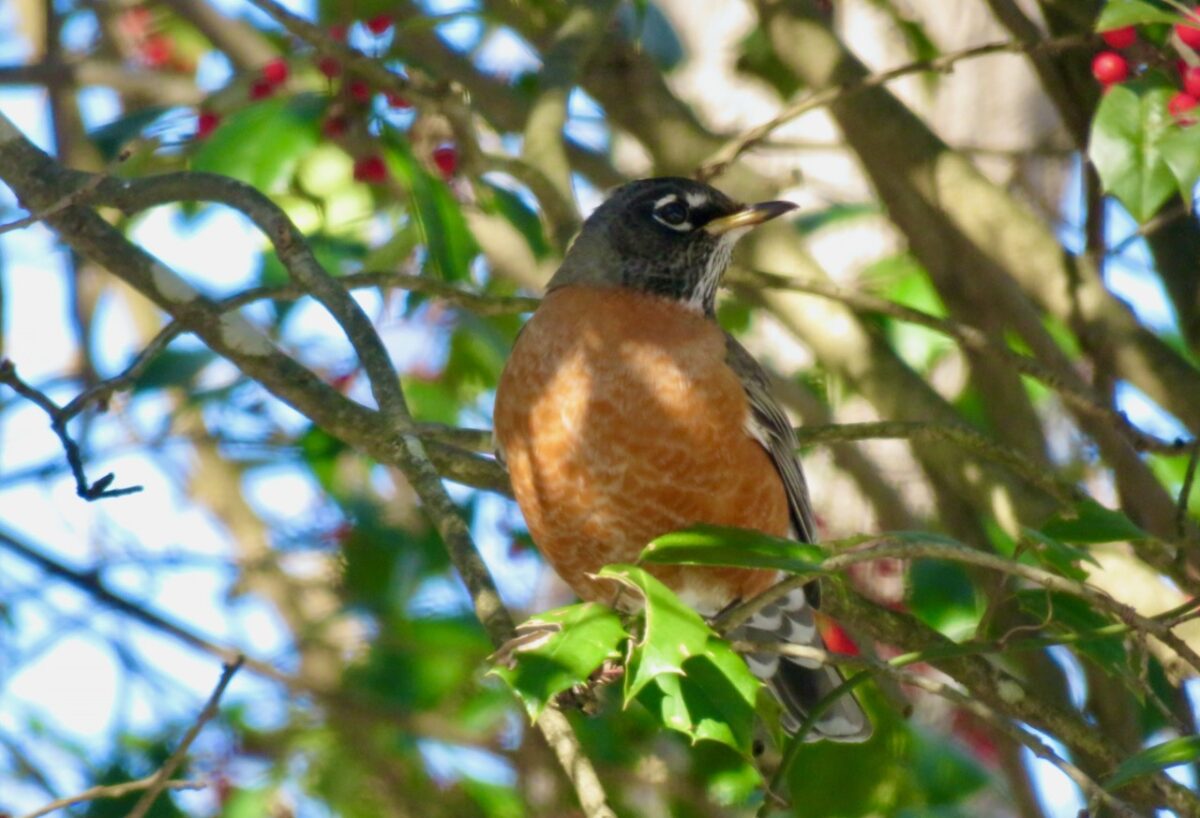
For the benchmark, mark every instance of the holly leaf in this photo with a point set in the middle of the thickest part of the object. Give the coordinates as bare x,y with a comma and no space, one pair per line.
722,693
714,699
1121,13
672,632
1181,151
571,643
737,547
1159,757
1129,125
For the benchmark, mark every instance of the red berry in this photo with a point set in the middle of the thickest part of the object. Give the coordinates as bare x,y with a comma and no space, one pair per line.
337,32
837,640
394,100
379,24
1120,37
1109,68
335,126
446,159
359,91
1191,80
135,22
261,89
1189,30
156,51
275,72
370,169
206,123
1181,103
329,66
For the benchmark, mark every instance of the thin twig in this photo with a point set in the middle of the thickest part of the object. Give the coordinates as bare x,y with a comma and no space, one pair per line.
734,148
478,303
976,341
842,559
98,490
69,200
113,791
959,434
168,768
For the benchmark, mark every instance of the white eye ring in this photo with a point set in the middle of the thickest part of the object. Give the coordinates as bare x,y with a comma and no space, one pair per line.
672,213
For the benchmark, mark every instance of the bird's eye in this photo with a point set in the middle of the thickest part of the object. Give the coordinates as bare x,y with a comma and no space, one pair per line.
674,214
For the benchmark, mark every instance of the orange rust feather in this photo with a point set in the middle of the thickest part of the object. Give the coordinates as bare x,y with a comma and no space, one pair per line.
621,421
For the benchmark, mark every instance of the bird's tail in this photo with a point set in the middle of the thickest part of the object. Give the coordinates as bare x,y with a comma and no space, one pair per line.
800,683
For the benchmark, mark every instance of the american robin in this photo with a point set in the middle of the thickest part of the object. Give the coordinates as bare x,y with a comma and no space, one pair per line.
626,412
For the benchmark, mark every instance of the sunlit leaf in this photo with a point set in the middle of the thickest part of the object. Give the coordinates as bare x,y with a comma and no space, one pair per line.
740,547
1180,149
1127,132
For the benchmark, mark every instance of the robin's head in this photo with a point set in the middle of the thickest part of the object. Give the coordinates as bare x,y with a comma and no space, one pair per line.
669,236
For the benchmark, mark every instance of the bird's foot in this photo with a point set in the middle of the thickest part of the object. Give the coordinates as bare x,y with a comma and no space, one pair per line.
529,636
586,696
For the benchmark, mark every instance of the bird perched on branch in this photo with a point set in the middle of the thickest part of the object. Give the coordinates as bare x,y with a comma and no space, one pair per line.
626,412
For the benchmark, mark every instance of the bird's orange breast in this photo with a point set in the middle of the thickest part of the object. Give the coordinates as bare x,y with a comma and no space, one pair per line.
620,421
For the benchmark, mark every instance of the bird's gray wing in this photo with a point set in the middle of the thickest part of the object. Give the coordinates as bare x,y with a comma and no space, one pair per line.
798,684
770,427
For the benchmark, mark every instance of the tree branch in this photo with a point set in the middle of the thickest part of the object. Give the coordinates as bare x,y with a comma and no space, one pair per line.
114,791
942,64
158,781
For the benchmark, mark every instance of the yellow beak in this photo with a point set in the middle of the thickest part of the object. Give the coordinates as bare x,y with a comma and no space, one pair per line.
749,216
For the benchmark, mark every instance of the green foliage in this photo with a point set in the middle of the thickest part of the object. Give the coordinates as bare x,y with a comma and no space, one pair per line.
572,643
1132,136
943,596
717,545
1170,753
1121,13
263,144
676,666
521,216
1091,522
444,233
1070,616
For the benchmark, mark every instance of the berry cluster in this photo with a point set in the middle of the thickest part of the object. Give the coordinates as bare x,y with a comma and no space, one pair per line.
1112,67
351,100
